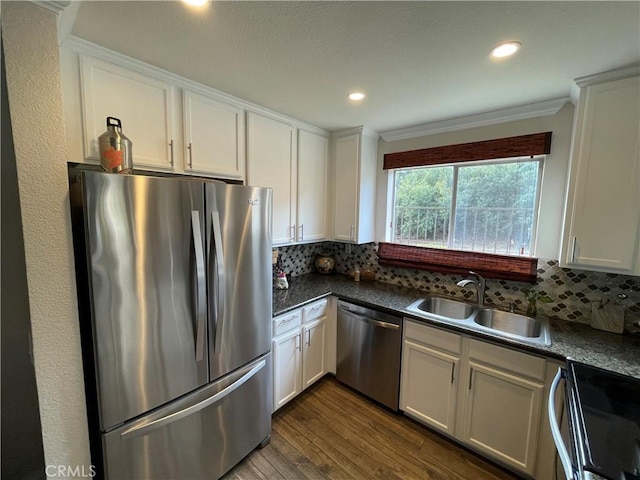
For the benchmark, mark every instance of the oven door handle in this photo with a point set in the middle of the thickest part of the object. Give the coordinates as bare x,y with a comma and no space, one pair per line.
555,428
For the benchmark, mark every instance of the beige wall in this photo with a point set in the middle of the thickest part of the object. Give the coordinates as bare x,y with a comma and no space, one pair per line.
35,101
552,195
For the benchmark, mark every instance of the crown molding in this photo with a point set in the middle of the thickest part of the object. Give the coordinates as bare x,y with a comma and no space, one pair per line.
366,131
84,47
608,76
522,112
55,6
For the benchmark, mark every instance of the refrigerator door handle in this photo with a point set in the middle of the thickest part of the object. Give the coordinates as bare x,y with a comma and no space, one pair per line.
217,246
140,430
201,294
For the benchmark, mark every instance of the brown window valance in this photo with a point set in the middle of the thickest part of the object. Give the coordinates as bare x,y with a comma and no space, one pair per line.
504,267
520,146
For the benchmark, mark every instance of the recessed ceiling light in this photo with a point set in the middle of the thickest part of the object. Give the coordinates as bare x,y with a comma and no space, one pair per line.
356,96
196,3
505,49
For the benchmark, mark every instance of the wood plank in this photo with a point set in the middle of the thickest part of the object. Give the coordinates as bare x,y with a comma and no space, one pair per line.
306,468
360,424
332,432
330,467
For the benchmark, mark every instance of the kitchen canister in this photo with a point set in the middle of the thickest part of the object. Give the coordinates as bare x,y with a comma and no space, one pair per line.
115,148
325,263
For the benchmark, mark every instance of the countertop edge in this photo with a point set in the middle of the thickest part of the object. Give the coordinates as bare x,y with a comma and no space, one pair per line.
577,342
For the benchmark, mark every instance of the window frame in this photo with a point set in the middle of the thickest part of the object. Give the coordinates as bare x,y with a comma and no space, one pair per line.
391,205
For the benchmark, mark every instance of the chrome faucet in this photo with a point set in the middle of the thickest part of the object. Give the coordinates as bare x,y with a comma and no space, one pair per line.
480,285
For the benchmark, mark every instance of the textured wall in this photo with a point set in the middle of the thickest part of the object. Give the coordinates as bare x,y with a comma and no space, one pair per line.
22,451
572,291
35,100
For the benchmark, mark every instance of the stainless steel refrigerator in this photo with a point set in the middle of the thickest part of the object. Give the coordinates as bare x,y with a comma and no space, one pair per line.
174,281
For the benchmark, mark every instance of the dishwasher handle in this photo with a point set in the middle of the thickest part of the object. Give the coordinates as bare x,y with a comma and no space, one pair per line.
370,321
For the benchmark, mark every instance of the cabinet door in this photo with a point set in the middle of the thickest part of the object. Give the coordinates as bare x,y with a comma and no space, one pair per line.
606,208
502,416
346,183
271,163
144,104
214,136
313,361
312,187
428,387
286,367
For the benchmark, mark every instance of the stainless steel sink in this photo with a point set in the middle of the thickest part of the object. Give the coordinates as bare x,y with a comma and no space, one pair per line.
443,307
487,320
508,322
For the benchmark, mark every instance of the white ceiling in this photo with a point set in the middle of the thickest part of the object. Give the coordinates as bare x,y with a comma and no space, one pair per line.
418,62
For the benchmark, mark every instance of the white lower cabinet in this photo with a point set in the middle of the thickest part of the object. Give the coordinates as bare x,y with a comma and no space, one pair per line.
429,386
299,350
313,363
286,367
502,415
485,396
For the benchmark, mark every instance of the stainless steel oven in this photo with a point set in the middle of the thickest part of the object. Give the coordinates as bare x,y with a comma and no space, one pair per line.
602,412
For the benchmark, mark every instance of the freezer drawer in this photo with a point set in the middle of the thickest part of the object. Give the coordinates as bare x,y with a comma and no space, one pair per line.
199,436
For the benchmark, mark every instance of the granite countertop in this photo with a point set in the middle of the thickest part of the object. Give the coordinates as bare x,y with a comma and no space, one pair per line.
576,341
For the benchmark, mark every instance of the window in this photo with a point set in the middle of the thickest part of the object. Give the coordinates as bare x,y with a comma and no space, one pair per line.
479,206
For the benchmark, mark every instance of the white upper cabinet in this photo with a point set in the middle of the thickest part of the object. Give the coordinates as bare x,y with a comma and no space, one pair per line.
312,187
180,126
271,163
143,103
213,136
294,163
355,186
602,220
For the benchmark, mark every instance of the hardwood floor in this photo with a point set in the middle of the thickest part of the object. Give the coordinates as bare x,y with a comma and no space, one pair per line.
331,432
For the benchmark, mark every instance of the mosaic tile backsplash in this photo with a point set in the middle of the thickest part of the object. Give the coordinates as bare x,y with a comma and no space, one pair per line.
571,291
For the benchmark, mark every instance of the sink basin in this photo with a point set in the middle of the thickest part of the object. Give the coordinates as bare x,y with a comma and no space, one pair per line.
443,307
511,323
490,321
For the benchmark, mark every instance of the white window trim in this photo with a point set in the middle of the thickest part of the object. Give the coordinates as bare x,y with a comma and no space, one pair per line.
390,210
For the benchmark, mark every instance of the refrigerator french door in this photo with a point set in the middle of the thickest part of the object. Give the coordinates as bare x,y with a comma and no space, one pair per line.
179,300
240,280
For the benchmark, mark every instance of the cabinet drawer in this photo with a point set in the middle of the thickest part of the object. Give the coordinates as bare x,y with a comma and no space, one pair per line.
517,362
447,341
314,310
286,322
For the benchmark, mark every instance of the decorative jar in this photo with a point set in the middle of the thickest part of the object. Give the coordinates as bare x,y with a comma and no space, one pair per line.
368,274
325,262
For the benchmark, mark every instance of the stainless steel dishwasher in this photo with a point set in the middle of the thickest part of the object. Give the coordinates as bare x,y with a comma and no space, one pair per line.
369,344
